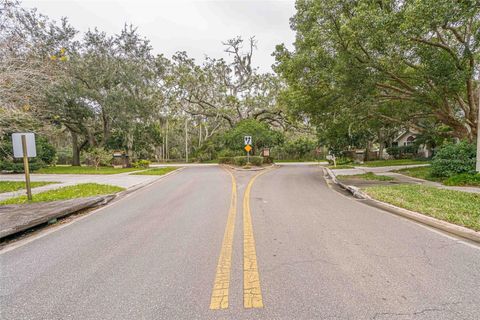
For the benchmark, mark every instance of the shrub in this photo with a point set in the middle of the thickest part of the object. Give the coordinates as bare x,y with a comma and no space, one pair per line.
64,156
240,161
464,179
402,151
98,157
453,159
144,164
256,161
225,160
16,166
268,160
45,151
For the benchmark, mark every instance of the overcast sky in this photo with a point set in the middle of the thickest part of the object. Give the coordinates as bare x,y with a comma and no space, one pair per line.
195,26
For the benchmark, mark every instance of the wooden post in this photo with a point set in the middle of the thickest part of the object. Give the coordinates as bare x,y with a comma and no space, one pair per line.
26,168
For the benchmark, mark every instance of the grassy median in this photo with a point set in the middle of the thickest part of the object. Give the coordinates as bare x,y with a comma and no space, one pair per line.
457,207
84,170
71,192
9,186
155,171
393,162
366,176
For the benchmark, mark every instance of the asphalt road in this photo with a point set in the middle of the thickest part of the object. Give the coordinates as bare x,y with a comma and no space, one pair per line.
186,248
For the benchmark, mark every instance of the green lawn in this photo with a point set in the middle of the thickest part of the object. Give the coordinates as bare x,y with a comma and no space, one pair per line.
8,186
464,179
367,176
70,192
84,170
394,162
286,161
472,180
457,207
155,171
420,173
341,166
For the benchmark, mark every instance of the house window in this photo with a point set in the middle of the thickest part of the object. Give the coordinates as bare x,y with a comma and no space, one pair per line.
409,141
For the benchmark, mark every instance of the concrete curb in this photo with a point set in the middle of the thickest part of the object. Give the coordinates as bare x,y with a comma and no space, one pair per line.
412,215
95,202
27,222
356,192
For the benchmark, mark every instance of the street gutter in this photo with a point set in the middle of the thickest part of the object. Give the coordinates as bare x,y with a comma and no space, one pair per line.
459,231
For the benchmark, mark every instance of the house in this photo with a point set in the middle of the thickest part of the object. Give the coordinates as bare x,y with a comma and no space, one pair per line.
407,138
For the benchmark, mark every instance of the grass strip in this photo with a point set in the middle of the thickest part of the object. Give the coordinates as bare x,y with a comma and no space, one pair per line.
155,171
367,176
460,208
83,170
9,186
393,162
71,192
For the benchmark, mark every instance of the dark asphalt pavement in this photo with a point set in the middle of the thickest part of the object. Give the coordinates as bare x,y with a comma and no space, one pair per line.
320,255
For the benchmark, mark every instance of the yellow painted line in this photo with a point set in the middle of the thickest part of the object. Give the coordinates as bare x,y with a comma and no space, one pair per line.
221,285
252,294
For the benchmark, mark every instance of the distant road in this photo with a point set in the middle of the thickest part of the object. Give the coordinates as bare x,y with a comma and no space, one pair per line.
294,249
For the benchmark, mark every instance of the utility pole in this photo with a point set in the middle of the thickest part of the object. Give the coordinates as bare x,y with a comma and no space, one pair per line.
478,132
186,140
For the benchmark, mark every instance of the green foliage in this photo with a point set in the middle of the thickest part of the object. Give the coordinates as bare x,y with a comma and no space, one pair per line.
16,166
402,152
360,68
454,159
225,160
243,161
268,160
464,179
64,156
302,148
65,193
240,161
256,161
143,164
98,157
46,155
262,136
45,151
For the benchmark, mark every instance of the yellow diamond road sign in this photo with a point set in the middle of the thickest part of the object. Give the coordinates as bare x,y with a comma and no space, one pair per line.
248,148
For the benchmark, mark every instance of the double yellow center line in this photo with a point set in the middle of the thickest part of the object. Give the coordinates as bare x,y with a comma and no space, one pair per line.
252,295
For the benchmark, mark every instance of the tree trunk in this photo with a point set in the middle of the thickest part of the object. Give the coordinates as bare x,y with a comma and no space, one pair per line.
75,149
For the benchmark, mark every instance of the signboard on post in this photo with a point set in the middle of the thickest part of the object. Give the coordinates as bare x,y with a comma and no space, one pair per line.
24,147
18,148
248,146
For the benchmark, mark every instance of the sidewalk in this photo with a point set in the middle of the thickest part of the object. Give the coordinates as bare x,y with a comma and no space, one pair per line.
124,180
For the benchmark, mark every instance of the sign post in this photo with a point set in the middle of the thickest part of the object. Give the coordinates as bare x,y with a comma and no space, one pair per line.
247,140
24,147
26,168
